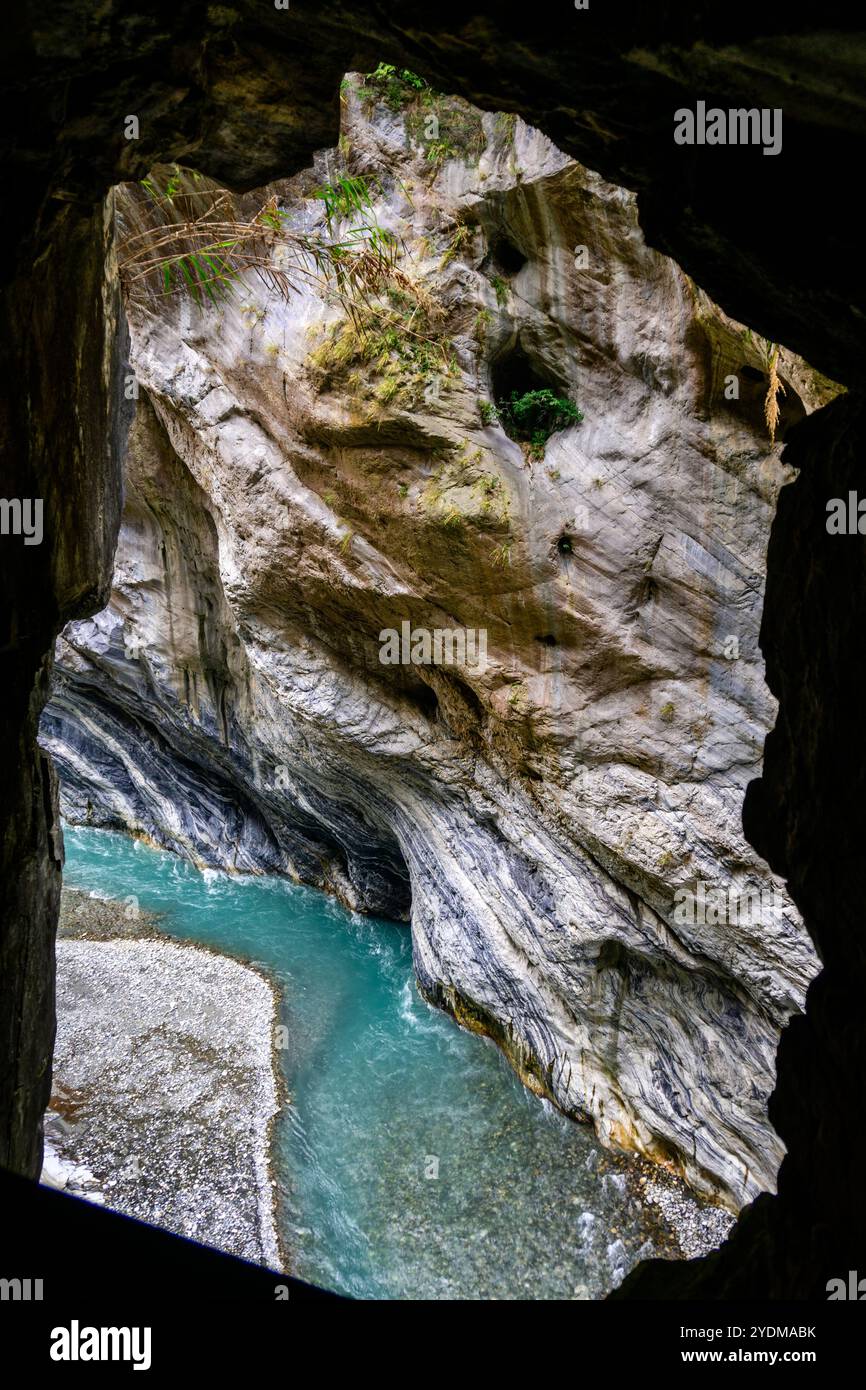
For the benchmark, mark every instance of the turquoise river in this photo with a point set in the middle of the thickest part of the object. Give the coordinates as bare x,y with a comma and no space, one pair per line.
411,1161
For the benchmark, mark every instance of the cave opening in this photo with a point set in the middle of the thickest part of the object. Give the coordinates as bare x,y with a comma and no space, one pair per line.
824,672
530,400
373,878
503,259
515,371
424,698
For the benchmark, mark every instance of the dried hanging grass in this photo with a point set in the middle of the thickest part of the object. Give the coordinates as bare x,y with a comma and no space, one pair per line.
206,254
771,403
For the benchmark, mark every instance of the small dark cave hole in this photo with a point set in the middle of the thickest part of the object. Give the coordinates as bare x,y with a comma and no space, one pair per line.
514,370
503,258
547,639
531,404
565,545
425,699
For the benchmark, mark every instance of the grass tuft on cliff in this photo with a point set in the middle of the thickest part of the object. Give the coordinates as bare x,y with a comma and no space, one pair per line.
390,349
185,236
442,126
535,415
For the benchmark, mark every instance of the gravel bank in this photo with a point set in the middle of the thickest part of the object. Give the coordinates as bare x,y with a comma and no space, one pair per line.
87,918
699,1226
164,1084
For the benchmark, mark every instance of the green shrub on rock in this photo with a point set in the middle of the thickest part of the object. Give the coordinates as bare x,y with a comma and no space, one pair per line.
534,416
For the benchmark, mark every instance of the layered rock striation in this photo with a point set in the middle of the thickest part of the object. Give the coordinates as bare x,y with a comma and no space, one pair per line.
299,482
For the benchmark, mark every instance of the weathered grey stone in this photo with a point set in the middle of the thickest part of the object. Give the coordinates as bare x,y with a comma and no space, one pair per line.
280,513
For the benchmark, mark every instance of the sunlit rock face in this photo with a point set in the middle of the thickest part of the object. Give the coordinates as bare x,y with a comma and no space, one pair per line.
542,816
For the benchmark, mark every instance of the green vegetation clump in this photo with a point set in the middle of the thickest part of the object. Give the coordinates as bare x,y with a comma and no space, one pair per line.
506,124
534,416
437,151
537,412
347,196
501,289
458,239
396,86
482,321
445,127
195,241
391,349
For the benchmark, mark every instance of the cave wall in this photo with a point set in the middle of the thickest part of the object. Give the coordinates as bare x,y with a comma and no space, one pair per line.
803,815
62,430
772,252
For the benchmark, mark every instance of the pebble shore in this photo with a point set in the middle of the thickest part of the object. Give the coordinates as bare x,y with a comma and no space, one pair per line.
165,1086
698,1226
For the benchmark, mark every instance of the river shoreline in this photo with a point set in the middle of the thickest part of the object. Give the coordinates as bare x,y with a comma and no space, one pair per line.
166,1083
681,1225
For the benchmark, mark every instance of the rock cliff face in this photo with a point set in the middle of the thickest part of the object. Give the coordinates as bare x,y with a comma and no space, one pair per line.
290,494
790,1245
68,459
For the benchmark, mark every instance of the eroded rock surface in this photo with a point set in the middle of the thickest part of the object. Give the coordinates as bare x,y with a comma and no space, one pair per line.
288,498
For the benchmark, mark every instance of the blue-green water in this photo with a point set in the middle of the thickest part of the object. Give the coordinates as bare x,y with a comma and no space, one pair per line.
411,1161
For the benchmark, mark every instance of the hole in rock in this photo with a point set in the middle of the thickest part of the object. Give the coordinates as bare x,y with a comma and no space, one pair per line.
504,258
424,698
377,868
531,403
514,370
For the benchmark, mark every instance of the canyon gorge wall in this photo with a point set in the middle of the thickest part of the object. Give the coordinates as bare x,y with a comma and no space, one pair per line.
291,493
